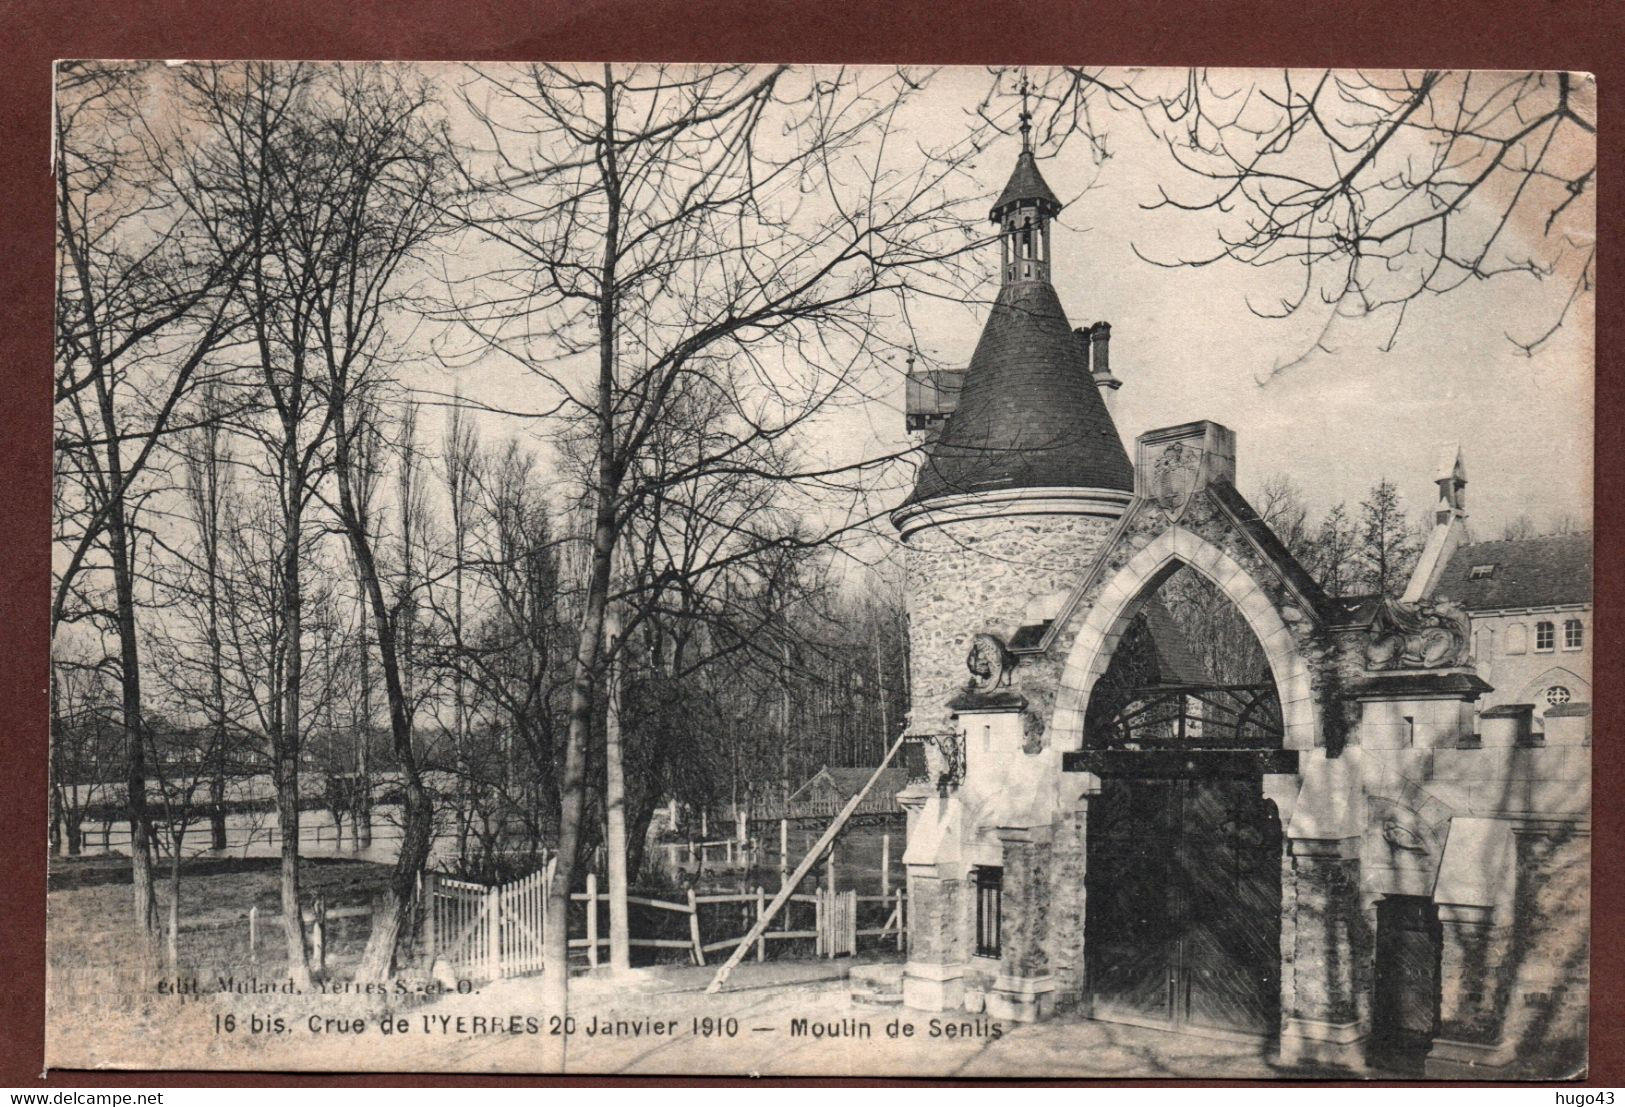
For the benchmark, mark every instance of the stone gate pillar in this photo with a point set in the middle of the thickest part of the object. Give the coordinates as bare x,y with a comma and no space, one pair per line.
1024,991
1325,955
1326,937
933,978
1069,862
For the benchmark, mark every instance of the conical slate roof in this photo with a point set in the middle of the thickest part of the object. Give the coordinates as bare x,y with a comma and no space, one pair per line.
1029,414
1027,183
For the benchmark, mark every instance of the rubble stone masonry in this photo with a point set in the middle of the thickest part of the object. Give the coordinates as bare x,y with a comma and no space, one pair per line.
967,577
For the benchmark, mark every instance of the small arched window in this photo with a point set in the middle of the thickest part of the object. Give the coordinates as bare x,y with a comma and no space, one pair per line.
1574,634
1545,636
1516,638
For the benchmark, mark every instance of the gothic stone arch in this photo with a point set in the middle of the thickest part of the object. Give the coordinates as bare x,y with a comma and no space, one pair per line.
1120,596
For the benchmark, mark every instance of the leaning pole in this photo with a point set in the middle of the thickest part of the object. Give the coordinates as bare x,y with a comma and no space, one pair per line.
807,862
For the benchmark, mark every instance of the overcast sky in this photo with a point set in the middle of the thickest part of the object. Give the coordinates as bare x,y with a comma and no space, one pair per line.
1186,346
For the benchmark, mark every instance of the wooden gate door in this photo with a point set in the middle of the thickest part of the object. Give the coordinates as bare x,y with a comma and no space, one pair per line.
840,921
1406,1011
1182,923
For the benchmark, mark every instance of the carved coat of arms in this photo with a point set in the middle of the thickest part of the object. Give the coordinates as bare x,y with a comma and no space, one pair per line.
1174,475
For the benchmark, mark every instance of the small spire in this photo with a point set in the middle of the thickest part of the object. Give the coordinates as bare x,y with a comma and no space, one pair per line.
1026,116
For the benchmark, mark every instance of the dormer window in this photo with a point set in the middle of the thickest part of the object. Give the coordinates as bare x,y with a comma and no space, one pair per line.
1481,572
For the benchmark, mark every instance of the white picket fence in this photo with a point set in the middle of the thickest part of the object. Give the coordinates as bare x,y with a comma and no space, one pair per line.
486,933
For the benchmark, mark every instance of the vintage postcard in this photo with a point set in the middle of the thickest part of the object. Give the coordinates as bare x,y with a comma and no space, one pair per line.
673,569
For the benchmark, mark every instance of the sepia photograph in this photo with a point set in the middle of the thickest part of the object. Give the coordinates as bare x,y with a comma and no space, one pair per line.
729,570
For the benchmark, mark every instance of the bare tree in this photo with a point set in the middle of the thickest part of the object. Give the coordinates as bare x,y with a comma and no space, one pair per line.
206,458
382,167
511,650
460,454
1521,527
658,228
1367,190
340,161
1281,505
266,156
143,298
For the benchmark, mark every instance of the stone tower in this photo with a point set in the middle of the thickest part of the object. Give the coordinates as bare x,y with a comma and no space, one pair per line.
1026,478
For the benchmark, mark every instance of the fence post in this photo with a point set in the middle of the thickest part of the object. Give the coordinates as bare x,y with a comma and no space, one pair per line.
761,939
694,928
253,935
429,882
318,934
852,924
592,919
885,864
902,920
493,932
784,851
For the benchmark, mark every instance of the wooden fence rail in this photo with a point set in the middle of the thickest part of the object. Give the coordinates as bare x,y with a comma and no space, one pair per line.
484,933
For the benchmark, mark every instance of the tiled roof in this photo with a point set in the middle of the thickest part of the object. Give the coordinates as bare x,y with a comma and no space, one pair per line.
1029,414
1177,663
1526,572
1027,183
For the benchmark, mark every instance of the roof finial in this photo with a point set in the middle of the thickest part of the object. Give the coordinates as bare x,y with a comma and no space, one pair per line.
1026,116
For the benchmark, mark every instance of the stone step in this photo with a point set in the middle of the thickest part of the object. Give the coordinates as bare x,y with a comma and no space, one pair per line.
876,984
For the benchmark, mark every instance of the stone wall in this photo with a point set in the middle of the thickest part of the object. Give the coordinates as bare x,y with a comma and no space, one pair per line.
1069,867
1515,984
972,576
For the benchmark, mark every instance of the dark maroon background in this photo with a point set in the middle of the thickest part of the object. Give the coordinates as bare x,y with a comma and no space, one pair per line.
1512,34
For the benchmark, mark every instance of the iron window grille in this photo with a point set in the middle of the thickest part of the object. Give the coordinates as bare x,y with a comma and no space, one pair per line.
989,906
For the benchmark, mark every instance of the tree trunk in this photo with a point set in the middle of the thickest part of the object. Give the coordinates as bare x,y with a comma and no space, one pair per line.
175,904
143,891
378,960
362,817
217,782
460,739
620,949
637,833
555,950
56,819
287,776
